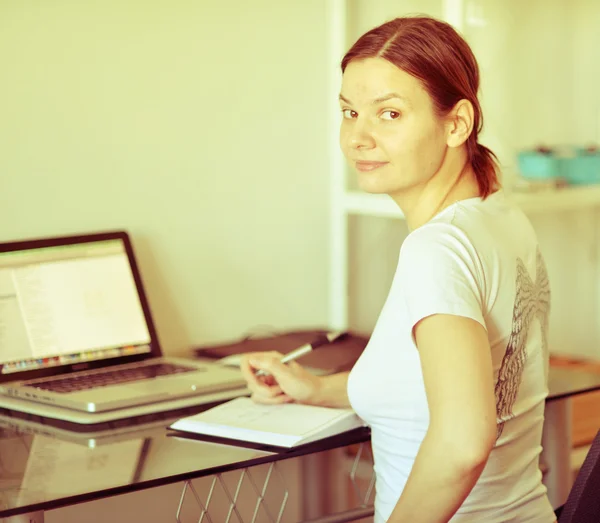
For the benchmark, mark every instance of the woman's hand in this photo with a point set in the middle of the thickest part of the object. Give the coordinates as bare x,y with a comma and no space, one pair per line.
284,382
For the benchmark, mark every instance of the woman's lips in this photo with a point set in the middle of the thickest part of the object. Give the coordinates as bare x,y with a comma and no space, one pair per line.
369,166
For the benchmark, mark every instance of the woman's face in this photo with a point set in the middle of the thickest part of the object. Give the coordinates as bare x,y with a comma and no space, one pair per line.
389,133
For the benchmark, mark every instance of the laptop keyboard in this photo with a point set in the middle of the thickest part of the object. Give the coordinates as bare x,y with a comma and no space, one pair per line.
111,377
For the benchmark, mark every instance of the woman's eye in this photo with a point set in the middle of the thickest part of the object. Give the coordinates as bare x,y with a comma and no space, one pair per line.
349,113
390,115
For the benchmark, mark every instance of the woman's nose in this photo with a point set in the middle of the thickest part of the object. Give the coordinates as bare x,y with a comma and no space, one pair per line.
360,138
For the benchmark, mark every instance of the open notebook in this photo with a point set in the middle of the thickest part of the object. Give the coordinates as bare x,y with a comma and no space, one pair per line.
286,425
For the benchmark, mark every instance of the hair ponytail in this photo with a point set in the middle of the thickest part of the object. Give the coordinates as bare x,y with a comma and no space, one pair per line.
485,165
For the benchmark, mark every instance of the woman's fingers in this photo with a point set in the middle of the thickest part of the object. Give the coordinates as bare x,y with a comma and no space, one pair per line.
275,378
268,380
254,361
247,370
264,389
270,363
264,386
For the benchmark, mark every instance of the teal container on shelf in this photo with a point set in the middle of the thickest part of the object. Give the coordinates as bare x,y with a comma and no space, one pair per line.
539,165
582,168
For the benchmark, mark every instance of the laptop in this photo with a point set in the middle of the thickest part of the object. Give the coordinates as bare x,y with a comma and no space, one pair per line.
44,468
77,339
13,423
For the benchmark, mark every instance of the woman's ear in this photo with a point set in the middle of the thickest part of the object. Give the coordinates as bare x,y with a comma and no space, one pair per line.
460,123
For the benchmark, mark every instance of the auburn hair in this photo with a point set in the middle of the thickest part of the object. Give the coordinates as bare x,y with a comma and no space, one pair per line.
434,53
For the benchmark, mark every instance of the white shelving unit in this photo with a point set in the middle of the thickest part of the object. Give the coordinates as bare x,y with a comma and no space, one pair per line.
345,203
551,200
349,203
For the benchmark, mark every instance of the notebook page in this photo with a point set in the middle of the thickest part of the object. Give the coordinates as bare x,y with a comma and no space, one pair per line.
288,419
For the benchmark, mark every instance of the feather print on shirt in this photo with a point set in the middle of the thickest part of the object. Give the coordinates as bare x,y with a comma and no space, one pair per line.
532,300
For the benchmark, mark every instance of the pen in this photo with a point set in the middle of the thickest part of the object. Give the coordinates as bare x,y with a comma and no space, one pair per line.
325,339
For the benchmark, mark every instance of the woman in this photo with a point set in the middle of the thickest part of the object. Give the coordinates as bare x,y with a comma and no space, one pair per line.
454,377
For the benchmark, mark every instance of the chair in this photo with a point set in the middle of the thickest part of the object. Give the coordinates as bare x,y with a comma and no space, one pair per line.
583,502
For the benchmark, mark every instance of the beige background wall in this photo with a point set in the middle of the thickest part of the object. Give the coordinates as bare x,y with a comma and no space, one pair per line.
197,125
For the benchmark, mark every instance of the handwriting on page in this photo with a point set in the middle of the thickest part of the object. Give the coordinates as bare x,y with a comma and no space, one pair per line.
250,416
285,419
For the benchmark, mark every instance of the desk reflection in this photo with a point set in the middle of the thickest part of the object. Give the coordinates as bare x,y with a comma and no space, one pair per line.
37,468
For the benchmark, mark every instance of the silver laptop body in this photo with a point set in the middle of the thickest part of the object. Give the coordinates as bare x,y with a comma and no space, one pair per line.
76,333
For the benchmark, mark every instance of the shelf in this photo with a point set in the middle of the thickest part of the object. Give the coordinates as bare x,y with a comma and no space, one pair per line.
575,197
568,198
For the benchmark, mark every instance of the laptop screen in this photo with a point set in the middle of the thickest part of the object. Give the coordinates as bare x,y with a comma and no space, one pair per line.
68,304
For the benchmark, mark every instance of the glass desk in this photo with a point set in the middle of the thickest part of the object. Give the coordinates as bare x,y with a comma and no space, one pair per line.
44,467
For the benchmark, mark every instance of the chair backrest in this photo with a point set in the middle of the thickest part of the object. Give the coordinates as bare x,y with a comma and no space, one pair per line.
583,503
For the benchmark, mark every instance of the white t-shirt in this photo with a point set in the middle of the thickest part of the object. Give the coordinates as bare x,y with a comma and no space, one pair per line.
478,259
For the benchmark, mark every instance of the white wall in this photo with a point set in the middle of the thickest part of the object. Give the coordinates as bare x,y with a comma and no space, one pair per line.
199,126
586,71
524,50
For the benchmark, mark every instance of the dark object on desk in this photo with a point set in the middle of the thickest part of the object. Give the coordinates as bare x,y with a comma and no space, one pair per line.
318,342
583,503
339,356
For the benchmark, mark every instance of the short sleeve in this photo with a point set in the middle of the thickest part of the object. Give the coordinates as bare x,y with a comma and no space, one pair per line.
440,273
